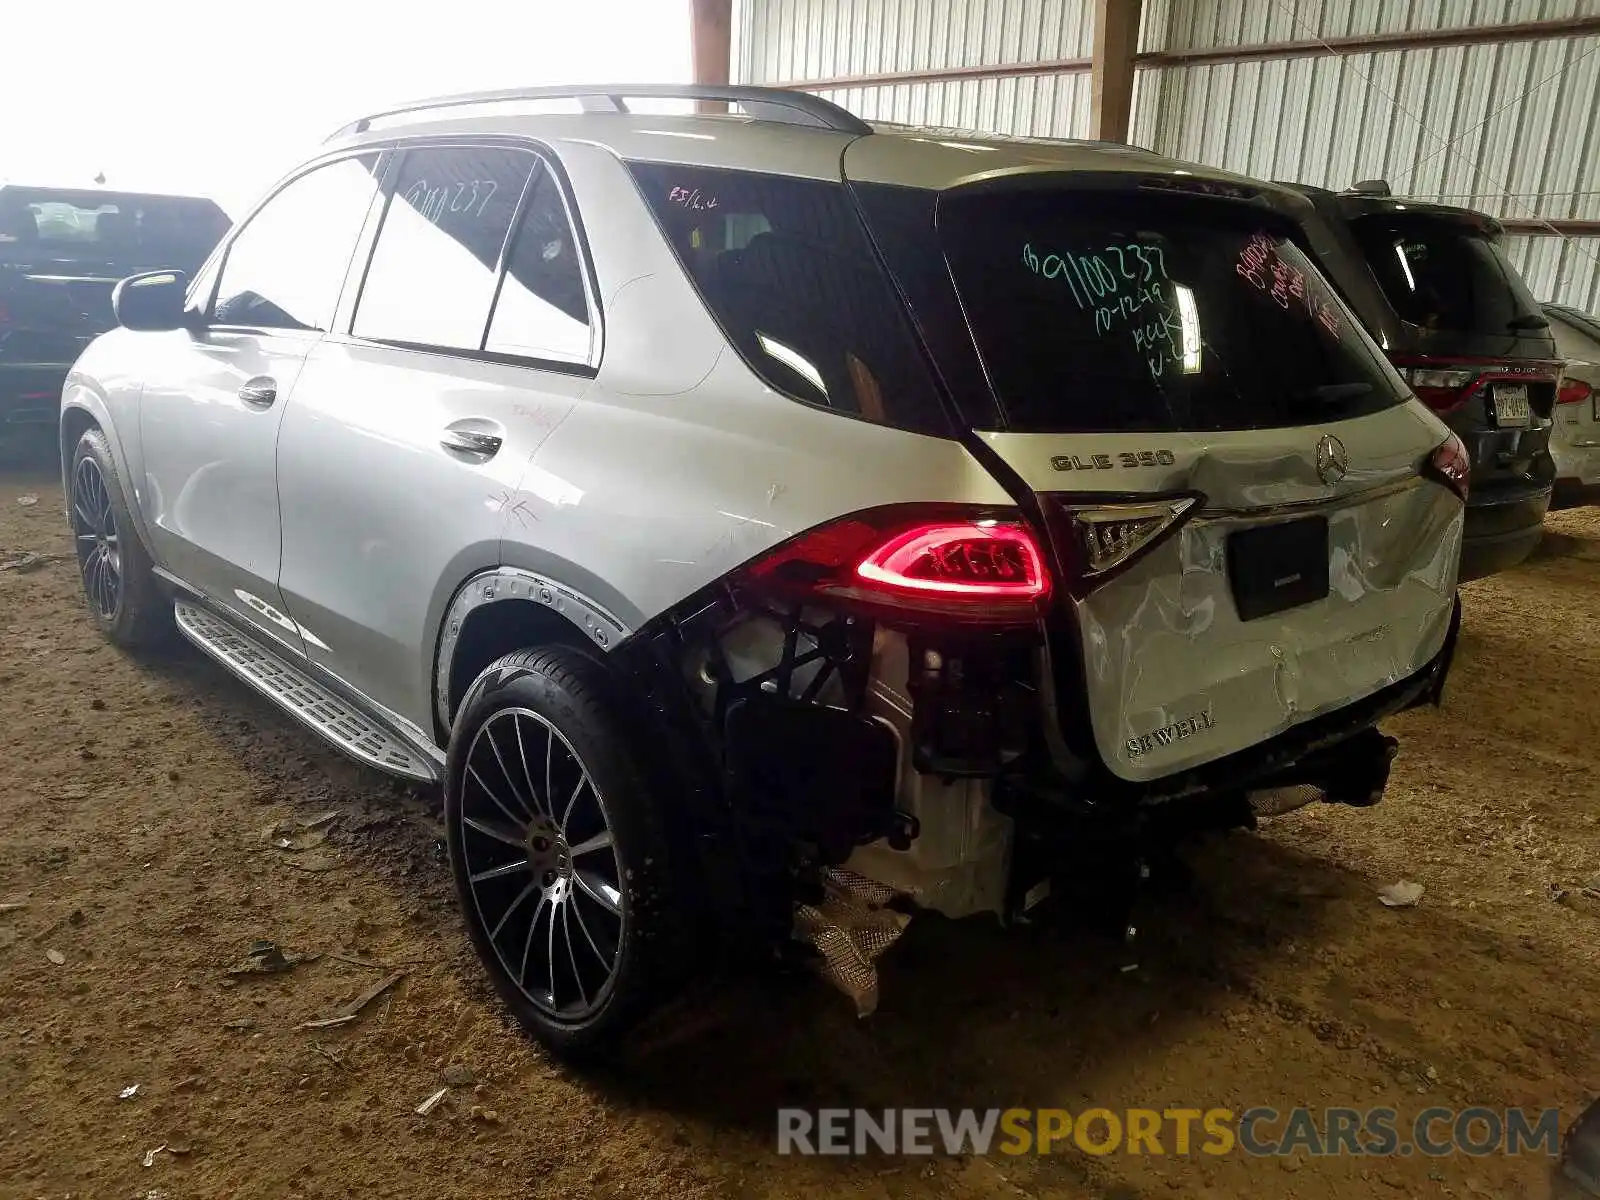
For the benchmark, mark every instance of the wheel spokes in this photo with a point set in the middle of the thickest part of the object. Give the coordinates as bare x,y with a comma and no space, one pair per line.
515,850
516,793
500,872
511,837
598,890
512,907
498,803
572,958
599,841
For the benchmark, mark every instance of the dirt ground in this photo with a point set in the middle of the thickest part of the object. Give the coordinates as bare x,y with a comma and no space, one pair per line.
137,812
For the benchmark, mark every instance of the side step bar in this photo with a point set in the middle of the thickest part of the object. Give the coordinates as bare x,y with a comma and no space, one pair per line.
302,697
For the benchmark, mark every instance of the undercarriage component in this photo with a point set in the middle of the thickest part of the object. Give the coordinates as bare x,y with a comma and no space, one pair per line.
822,775
850,928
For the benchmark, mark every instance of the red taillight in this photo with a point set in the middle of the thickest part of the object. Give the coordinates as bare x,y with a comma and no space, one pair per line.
974,566
975,559
1445,384
1452,466
1573,391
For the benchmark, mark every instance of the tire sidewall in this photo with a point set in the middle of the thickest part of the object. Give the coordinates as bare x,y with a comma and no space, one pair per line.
92,445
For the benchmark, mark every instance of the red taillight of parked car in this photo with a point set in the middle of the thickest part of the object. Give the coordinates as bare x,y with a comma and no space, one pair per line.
1574,391
1446,384
970,565
1451,466
1443,390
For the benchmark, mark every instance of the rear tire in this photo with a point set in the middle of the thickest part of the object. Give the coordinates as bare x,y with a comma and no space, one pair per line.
119,582
559,852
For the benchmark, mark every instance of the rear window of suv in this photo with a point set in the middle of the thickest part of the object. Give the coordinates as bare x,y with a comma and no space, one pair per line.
1097,311
119,229
1440,274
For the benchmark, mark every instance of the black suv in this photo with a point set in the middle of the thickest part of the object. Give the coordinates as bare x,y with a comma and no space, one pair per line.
62,250
1435,289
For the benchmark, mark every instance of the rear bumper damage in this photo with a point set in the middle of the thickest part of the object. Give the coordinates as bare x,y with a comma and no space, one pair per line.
805,745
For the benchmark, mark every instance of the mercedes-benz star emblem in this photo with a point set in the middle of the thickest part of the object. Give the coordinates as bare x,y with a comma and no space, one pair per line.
1333,463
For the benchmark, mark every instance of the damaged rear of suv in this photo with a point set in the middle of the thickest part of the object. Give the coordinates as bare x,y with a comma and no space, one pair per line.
756,520
1229,548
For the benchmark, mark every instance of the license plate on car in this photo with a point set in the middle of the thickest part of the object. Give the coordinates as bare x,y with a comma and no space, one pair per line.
1511,405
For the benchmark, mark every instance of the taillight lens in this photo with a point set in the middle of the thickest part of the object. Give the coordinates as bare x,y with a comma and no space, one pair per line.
976,566
1451,465
1441,390
982,560
1573,391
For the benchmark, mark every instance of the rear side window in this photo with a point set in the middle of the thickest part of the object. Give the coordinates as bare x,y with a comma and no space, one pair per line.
431,279
1441,275
284,269
1100,312
786,268
543,310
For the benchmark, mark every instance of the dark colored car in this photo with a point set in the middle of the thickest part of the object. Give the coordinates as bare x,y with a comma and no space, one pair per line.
62,250
1433,285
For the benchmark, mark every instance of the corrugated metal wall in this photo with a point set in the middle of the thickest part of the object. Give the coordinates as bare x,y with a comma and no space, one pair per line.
786,40
1512,128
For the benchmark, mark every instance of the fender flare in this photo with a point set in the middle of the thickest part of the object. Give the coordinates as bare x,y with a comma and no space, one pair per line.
497,584
80,397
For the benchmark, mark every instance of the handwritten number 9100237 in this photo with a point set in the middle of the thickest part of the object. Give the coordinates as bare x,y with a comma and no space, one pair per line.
1123,284
469,196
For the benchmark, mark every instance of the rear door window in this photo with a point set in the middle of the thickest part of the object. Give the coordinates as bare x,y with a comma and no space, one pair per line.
1443,275
431,279
786,268
1096,312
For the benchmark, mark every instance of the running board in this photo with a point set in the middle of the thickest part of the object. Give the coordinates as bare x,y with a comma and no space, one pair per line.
336,719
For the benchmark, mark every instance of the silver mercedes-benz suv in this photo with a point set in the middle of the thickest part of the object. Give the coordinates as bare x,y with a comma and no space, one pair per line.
749,515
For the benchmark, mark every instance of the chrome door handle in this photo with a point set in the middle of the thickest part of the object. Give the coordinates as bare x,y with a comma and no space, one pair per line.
259,393
468,442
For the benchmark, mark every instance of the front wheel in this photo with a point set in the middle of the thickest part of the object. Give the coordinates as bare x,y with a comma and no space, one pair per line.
558,851
119,581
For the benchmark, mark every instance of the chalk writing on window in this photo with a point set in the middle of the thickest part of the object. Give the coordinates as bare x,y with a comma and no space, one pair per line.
1260,265
468,197
1126,289
692,198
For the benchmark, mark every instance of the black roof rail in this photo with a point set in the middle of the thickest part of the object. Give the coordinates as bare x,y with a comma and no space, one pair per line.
763,103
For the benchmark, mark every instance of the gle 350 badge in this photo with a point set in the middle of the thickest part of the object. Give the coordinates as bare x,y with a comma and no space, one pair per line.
1110,462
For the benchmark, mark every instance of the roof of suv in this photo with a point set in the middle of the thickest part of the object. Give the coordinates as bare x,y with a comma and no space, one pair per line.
805,140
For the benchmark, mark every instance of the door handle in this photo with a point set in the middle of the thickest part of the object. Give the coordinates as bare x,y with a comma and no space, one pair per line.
467,441
260,392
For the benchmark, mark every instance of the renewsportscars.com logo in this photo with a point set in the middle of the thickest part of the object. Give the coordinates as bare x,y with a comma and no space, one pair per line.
1258,1132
